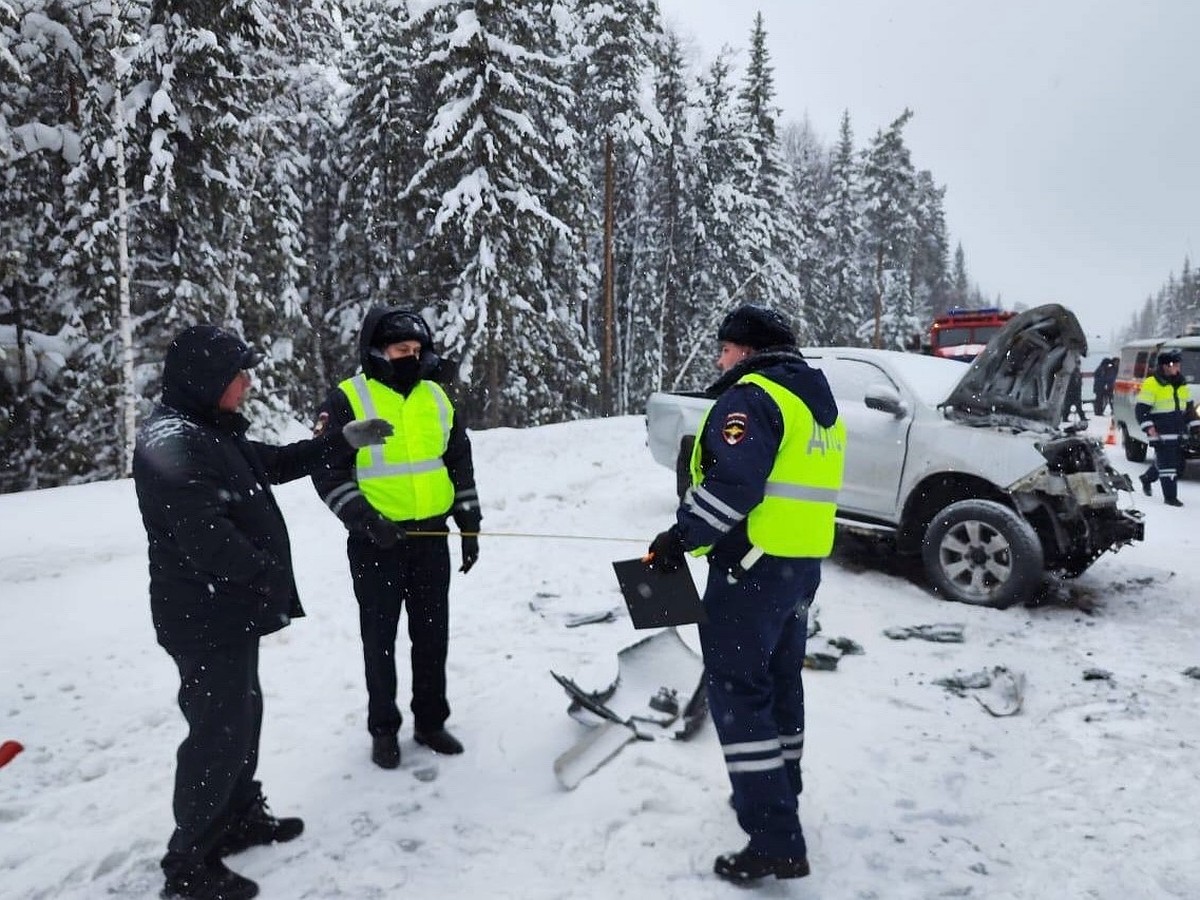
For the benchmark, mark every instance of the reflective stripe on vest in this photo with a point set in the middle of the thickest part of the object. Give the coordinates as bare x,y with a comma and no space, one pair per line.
404,478
1163,398
796,515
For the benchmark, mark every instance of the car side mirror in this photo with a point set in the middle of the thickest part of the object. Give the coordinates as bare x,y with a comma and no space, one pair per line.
885,399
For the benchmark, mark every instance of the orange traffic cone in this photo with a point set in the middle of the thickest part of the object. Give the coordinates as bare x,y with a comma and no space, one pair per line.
1110,440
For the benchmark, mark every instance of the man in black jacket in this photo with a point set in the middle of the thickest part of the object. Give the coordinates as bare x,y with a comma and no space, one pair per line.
220,578
410,484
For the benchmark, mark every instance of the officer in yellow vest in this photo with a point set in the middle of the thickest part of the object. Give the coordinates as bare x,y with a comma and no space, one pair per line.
766,469
1164,409
418,477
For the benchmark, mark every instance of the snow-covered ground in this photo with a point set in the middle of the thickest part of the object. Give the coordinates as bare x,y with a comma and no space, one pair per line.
911,791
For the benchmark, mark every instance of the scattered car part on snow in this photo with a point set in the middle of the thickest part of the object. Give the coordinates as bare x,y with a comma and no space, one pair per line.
658,694
1005,689
939,633
8,750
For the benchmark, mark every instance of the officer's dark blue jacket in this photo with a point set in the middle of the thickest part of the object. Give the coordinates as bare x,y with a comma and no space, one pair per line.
736,474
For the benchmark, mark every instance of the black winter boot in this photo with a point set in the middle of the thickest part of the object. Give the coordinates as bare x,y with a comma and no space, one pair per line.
206,880
746,866
257,827
1146,482
440,741
385,751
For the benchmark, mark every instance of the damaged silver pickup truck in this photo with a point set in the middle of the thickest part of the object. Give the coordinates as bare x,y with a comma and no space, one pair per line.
969,467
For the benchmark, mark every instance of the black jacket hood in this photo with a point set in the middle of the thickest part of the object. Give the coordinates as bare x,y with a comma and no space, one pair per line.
787,368
200,364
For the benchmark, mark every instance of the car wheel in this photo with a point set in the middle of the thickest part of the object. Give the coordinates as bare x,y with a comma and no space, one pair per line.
983,553
1135,451
683,466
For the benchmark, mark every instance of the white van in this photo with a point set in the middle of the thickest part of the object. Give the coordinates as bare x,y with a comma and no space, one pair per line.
1137,361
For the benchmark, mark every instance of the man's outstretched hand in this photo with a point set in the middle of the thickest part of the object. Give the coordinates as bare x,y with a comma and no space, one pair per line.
364,432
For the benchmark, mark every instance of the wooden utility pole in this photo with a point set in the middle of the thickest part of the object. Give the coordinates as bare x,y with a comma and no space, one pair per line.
606,364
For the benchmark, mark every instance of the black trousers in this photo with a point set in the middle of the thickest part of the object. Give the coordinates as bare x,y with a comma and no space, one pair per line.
221,699
1165,467
414,575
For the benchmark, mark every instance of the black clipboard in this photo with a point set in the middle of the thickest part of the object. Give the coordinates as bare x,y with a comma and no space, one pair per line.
658,599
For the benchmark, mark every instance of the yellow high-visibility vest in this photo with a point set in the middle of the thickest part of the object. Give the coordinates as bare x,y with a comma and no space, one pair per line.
404,478
1161,397
796,515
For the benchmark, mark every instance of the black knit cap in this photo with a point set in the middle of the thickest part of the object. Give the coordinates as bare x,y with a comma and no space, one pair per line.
757,327
1169,355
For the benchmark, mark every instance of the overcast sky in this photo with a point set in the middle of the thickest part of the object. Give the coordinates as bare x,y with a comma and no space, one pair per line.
1065,131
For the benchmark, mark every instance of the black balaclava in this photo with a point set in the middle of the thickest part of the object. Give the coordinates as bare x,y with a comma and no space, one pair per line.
401,374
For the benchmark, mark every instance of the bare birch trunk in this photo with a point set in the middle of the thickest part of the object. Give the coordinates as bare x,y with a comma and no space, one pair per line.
125,313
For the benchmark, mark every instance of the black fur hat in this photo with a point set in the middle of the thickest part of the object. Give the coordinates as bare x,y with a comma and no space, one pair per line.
757,327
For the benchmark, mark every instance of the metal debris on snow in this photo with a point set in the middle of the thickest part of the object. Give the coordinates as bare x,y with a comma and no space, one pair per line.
658,694
940,632
1005,689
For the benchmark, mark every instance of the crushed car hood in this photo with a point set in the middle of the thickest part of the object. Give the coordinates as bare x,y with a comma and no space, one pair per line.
1021,377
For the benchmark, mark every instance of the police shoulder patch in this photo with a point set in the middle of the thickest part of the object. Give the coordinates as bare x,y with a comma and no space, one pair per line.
322,422
734,428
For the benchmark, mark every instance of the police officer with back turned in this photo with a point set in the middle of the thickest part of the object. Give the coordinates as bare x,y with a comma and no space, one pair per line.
766,468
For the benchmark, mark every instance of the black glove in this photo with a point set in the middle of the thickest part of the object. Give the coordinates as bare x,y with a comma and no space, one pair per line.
666,552
364,432
384,533
470,552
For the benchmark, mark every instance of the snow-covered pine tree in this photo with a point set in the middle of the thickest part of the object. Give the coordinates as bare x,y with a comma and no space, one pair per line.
39,143
810,185
772,223
929,280
724,257
890,230
618,41
960,281
101,390
282,89
320,91
671,176
490,159
387,113
841,226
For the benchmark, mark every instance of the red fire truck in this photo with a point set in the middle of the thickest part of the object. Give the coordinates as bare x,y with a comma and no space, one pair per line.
963,333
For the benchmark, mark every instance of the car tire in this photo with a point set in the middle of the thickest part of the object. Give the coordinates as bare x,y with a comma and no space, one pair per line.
683,466
1135,451
982,553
